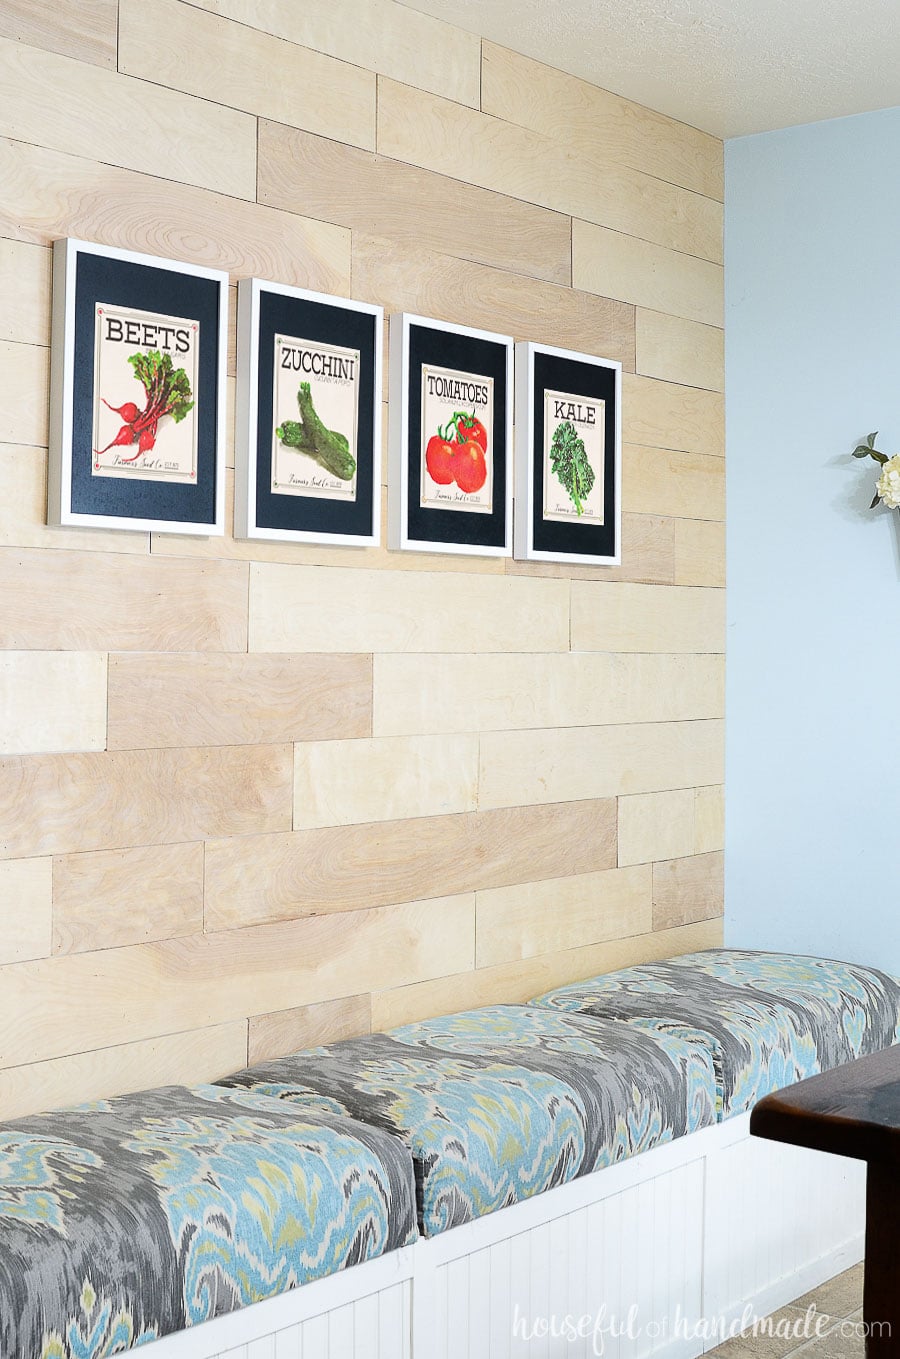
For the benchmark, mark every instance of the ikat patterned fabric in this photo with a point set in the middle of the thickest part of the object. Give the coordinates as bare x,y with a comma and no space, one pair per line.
502,1103
769,1019
124,1220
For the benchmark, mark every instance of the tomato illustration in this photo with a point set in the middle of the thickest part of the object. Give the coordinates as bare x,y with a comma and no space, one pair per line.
470,467
471,429
440,458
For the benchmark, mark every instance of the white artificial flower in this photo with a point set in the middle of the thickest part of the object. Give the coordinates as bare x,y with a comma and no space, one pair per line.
889,482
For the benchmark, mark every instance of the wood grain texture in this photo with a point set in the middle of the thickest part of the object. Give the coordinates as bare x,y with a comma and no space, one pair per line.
247,69
676,350
648,556
656,826
204,700
699,553
436,134
687,890
376,34
409,279
517,982
84,29
52,701
709,819
58,1006
86,111
348,867
295,608
338,783
23,510
666,481
520,90
306,1026
664,415
429,693
377,196
626,618
61,804
25,909
45,194
202,1055
310,554
126,896
25,288
103,601
614,264
555,765
26,382
565,913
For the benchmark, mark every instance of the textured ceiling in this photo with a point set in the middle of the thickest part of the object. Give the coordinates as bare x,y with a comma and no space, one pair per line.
726,67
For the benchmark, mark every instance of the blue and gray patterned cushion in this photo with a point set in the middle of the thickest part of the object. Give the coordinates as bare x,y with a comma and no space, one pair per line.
769,1019
127,1219
502,1103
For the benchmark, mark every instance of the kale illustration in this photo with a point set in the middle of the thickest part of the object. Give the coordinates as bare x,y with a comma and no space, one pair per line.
570,463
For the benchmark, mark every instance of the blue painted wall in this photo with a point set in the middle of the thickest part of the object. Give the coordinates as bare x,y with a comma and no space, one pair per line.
813,364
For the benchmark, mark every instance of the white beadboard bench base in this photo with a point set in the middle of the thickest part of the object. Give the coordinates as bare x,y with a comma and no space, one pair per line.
690,1235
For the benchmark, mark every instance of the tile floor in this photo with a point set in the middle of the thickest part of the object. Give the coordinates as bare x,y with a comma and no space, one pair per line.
833,1333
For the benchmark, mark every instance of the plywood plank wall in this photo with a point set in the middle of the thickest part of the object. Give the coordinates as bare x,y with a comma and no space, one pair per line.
254,797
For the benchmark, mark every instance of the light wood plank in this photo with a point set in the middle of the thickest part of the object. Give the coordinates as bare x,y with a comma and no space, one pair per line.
84,29
409,279
24,393
379,35
307,1026
676,350
431,693
296,608
656,826
578,762
646,618
244,700
23,510
566,913
126,896
709,819
517,982
52,701
25,288
648,556
409,206
345,868
45,194
87,111
193,1058
25,909
687,890
436,134
615,264
665,481
310,554
57,1006
664,415
520,90
699,553
247,69
62,804
106,602
338,783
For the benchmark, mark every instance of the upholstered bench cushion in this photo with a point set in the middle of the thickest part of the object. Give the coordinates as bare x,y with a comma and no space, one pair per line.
502,1103
769,1018
127,1219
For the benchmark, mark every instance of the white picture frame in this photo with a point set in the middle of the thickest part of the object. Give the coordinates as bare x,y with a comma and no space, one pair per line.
298,515
76,497
466,348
